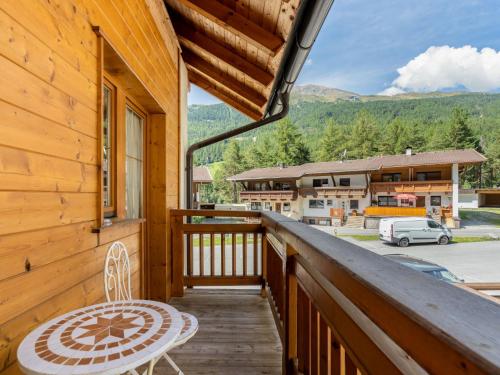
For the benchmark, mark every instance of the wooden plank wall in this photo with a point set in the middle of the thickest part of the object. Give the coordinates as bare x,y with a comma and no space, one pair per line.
50,261
405,172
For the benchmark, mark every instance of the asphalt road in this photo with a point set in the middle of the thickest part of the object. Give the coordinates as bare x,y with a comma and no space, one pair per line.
473,261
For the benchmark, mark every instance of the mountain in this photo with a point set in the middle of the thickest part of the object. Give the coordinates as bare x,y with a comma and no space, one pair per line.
313,93
312,106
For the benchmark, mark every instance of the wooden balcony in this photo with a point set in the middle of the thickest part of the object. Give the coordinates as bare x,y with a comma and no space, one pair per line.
338,308
395,211
333,191
441,186
268,195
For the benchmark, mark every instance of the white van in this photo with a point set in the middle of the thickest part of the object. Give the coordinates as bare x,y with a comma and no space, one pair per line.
406,230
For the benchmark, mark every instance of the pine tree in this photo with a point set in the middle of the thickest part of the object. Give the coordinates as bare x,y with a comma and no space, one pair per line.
290,147
233,163
364,136
390,138
332,143
460,135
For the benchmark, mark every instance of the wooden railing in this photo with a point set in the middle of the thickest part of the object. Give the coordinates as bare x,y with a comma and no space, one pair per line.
341,309
216,254
333,191
412,186
395,211
268,195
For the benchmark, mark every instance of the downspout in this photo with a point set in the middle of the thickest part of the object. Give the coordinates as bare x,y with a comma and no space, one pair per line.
308,22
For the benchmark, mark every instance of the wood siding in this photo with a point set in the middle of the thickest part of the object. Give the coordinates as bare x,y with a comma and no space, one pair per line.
50,260
405,172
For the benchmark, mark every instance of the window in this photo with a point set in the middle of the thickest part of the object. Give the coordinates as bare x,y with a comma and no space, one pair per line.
316,203
108,149
312,221
345,182
134,159
319,182
435,200
256,206
433,224
286,206
329,202
257,186
354,204
282,186
428,176
267,206
387,201
391,177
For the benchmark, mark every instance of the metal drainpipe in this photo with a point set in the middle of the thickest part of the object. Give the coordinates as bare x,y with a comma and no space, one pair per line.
221,137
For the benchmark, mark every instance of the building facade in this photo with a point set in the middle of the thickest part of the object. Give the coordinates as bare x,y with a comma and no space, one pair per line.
422,184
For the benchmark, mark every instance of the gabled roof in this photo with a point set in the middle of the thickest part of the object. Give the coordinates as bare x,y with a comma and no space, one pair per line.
468,156
202,175
233,49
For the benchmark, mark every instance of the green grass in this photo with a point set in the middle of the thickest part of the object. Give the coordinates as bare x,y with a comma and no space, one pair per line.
488,216
361,237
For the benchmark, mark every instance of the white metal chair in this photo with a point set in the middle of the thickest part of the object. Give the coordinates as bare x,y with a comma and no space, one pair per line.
117,288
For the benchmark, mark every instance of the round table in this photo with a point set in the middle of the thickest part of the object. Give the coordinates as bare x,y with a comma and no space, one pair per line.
107,338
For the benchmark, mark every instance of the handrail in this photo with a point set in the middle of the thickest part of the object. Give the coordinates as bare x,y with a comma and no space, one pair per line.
339,305
416,322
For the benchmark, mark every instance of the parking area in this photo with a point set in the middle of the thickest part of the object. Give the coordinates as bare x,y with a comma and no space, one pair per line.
471,261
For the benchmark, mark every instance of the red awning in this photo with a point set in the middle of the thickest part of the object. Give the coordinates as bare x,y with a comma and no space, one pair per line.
406,196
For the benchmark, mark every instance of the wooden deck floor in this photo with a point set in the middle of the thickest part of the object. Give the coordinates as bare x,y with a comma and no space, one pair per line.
237,335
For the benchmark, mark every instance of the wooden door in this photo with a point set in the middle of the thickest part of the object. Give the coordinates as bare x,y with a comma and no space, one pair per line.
278,207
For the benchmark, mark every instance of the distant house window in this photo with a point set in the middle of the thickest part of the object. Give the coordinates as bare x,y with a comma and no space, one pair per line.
354,204
108,150
319,182
387,201
329,202
312,221
391,177
282,186
286,206
345,182
435,200
316,203
428,176
256,206
267,206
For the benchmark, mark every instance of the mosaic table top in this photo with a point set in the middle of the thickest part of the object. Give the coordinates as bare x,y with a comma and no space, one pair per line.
106,338
189,328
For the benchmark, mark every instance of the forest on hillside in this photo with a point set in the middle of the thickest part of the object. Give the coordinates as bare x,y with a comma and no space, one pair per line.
324,131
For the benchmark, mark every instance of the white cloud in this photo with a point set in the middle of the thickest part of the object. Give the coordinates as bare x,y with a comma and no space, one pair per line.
309,61
445,67
391,91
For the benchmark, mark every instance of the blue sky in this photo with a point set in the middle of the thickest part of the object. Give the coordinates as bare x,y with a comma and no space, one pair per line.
364,42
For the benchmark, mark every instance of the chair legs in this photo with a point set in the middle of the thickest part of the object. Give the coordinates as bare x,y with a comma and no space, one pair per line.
172,363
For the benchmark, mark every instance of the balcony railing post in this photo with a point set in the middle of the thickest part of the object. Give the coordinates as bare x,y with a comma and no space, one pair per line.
264,244
290,314
177,256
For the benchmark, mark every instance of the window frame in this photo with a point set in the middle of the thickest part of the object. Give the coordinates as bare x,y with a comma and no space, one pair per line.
315,206
351,202
387,198
391,175
427,176
130,102
434,197
110,210
344,179
288,206
320,182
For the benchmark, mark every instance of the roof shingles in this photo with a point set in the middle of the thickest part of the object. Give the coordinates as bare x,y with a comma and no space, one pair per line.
468,156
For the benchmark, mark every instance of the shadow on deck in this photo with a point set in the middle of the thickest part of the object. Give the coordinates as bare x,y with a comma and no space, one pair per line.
237,334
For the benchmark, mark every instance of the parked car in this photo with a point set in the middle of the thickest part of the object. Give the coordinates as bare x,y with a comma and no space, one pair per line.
424,266
406,230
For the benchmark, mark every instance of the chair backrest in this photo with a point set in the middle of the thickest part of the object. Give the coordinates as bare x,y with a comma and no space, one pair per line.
117,273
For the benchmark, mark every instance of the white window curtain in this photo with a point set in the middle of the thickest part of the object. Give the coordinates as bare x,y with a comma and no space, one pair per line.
134,164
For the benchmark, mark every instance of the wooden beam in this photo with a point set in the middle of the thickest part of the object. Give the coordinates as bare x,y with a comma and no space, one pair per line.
203,66
204,83
236,23
194,40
